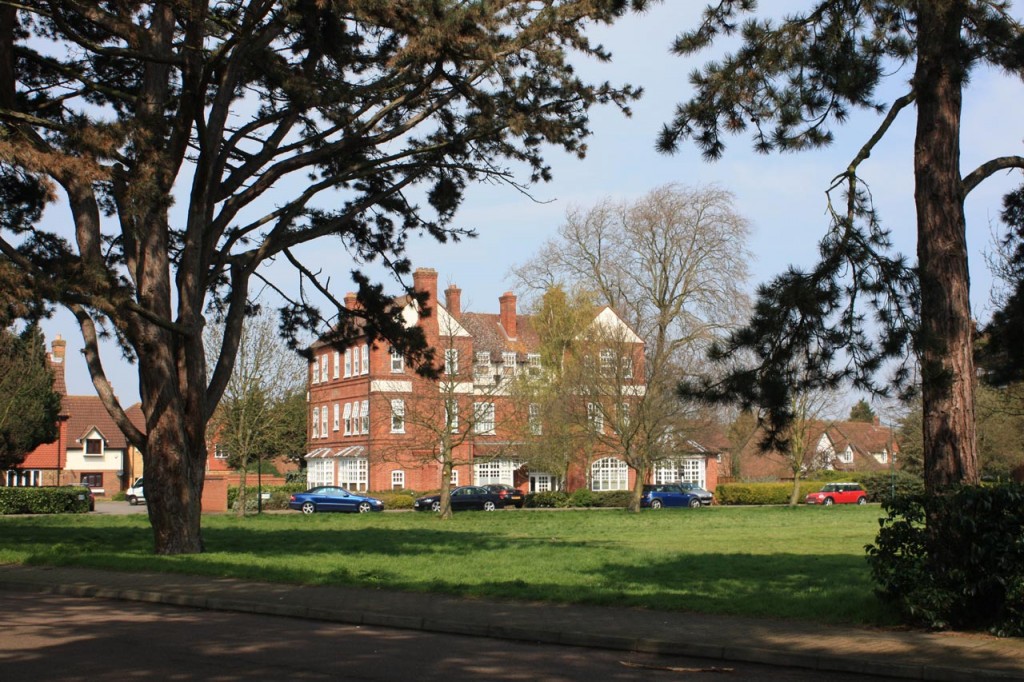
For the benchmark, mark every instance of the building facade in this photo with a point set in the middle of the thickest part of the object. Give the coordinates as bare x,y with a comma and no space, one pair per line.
375,424
90,449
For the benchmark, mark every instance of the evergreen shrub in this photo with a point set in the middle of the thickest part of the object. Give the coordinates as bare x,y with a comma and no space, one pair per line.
45,500
962,569
547,500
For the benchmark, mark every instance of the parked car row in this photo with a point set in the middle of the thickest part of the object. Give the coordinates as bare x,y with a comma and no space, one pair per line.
486,498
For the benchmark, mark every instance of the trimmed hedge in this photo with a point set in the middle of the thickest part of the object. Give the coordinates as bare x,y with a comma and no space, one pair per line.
878,484
580,498
62,500
762,493
279,495
396,499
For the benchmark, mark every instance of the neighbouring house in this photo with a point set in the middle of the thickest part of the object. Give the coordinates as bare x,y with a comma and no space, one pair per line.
90,449
370,414
832,446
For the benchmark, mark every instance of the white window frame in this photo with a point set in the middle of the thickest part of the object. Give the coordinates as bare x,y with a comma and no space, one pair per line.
607,360
609,473
365,417
337,364
533,366
451,414
501,471
679,469
536,424
337,417
219,451
323,422
316,422
509,362
398,416
397,362
483,418
846,457
348,363
595,417
323,368
353,473
314,371
398,480
320,472
365,358
24,478
451,361
454,480
348,419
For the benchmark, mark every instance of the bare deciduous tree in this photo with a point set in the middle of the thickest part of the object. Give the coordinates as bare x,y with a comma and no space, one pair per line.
673,265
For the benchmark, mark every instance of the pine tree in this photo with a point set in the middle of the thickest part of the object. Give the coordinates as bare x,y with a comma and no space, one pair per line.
29,406
789,83
265,125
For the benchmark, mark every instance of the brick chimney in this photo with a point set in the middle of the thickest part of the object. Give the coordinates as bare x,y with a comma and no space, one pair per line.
425,279
57,357
508,313
453,300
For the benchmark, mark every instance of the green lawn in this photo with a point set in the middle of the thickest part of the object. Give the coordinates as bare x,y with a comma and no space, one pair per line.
805,563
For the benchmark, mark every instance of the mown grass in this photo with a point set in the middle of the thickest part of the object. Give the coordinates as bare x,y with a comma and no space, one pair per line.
801,563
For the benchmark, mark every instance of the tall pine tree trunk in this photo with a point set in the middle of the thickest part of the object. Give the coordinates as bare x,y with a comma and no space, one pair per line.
947,365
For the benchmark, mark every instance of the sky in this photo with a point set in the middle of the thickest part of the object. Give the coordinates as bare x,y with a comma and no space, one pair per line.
782,196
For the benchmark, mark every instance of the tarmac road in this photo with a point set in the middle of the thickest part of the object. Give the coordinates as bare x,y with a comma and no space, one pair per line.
50,637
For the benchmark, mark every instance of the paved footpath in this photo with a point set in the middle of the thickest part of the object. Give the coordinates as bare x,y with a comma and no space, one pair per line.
909,654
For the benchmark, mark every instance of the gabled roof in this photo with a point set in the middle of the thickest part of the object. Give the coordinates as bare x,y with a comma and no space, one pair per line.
86,412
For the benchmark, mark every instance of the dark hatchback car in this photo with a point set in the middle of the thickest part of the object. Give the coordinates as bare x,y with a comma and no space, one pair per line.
511,497
328,498
463,497
668,495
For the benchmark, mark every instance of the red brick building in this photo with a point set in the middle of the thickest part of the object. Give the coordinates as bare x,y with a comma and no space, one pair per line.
374,424
832,446
90,449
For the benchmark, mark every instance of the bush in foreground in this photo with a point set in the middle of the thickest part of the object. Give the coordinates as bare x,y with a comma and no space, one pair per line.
965,568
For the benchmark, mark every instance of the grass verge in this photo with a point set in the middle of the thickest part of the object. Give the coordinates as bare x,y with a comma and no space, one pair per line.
801,563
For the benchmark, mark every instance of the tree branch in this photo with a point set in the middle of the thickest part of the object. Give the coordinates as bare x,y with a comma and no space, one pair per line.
988,168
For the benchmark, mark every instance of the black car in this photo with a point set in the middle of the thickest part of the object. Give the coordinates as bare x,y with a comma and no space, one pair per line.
463,497
511,497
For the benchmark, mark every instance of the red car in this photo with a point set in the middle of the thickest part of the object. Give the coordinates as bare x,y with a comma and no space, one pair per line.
839,493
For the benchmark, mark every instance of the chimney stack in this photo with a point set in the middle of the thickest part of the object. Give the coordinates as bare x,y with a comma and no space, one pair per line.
425,279
508,313
453,300
59,346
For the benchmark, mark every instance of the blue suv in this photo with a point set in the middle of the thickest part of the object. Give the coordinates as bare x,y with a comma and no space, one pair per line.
658,496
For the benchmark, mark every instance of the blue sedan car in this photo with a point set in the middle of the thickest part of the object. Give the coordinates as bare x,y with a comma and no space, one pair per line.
658,496
327,498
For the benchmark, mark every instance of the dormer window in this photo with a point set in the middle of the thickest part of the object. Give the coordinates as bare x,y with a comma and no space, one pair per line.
94,446
508,359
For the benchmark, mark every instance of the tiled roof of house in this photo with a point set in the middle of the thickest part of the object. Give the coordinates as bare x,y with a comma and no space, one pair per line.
489,335
86,412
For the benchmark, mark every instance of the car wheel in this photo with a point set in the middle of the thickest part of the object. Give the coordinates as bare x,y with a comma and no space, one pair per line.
862,500
133,501
694,503
364,507
828,502
308,507
436,506
655,504
489,506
